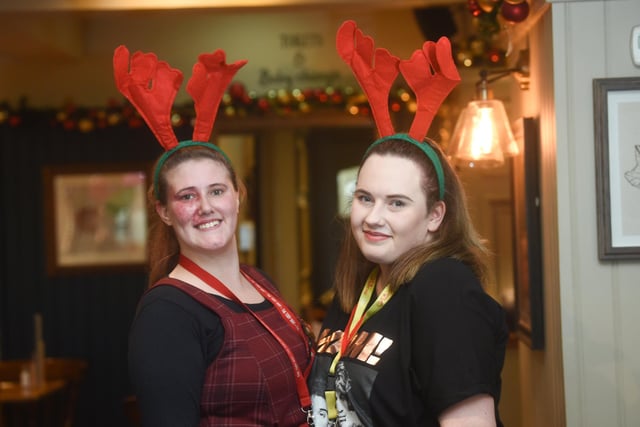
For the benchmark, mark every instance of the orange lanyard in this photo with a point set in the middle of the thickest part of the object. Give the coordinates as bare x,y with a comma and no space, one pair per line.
286,313
357,318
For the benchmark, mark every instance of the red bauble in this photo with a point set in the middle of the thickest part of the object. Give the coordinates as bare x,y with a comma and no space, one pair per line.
474,7
237,90
135,122
323,97
495,56
515,12
14,120
263,105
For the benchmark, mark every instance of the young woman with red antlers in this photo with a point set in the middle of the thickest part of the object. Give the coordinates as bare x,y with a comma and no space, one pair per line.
411,338
212,342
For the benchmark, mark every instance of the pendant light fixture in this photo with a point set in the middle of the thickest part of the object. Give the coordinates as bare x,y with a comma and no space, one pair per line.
482,136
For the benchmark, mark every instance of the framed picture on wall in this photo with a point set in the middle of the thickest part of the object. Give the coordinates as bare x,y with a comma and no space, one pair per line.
616,108
527,234
95,217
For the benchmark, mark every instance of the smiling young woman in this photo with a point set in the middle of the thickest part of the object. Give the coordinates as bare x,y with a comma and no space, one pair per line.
411,337
212,341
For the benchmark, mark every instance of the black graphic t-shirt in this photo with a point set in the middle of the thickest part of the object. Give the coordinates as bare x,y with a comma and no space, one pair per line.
439,340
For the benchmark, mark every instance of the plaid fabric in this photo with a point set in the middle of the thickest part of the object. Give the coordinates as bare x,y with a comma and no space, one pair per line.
251,382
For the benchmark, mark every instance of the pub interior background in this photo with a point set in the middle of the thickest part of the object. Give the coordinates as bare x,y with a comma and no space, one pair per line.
61,109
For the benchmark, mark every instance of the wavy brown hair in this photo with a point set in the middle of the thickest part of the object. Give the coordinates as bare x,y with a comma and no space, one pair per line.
455,238
163,248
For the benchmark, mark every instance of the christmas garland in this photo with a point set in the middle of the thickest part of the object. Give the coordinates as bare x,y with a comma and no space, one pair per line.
237,103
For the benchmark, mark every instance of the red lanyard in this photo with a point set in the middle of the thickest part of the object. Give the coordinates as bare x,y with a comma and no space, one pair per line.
285,312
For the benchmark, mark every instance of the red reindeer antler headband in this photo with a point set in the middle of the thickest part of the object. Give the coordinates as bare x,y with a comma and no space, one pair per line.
430,72
151,87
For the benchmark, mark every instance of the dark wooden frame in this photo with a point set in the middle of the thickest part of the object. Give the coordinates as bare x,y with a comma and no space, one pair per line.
116,258
527,235
608,167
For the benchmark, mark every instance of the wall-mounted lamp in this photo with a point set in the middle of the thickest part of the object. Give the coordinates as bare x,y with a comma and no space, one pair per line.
482,136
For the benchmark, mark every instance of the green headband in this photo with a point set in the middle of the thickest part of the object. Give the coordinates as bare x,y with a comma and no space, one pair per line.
426,149
181,145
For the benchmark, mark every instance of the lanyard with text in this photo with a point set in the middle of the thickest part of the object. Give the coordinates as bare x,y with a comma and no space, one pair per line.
357,318
285,312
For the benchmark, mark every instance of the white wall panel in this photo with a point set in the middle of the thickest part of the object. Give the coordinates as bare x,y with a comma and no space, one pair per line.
600,341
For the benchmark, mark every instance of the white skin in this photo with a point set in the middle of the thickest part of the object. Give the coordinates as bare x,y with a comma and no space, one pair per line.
389,217
389,211
202,207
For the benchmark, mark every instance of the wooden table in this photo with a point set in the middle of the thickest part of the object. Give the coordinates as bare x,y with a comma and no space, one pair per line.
14,393
11,392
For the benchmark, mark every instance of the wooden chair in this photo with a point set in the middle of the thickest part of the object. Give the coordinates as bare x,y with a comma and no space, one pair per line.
72,371
55,410
130,405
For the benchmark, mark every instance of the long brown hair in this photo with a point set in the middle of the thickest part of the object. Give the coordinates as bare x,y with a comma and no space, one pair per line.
163,247
455,238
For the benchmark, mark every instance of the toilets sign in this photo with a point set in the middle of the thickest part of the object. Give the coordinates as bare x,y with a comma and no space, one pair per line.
308,62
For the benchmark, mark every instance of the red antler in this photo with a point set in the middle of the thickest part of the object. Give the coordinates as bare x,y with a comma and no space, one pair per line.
375,70
210,78
432,75
151,86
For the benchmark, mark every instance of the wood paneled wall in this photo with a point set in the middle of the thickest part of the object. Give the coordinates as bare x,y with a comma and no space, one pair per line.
85,316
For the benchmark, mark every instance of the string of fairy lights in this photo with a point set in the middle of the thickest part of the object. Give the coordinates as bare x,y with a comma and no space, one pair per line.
236,104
